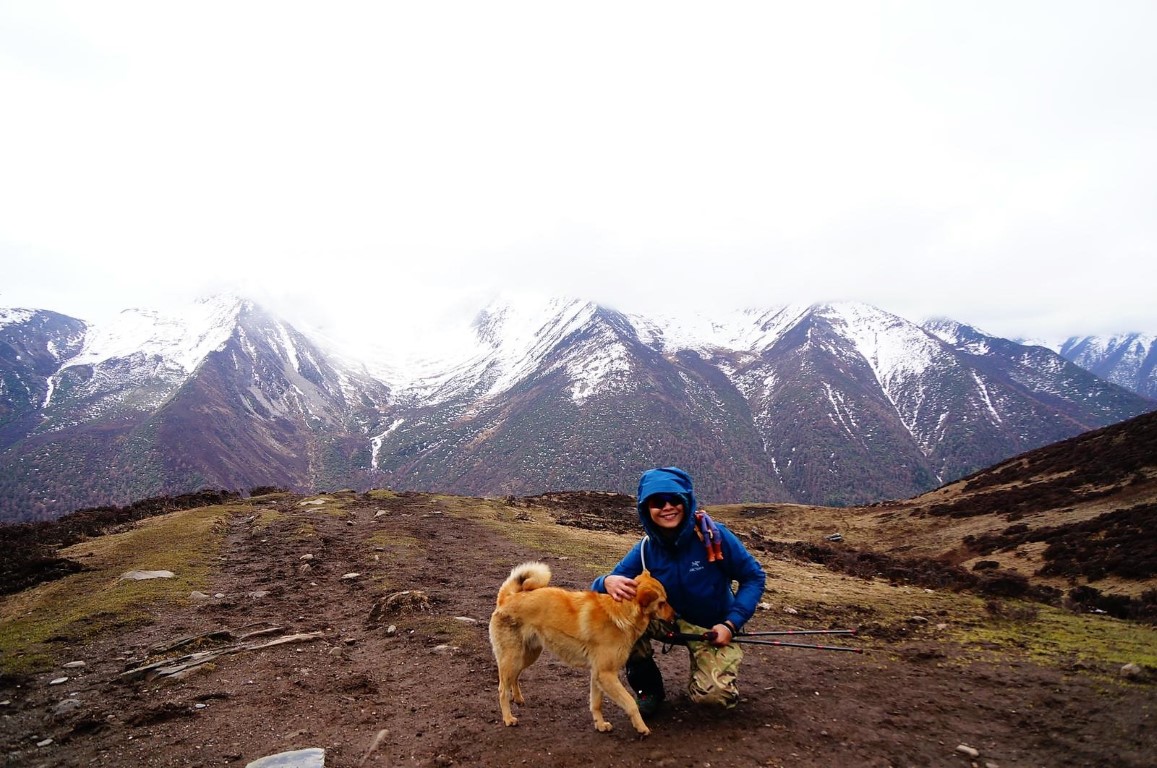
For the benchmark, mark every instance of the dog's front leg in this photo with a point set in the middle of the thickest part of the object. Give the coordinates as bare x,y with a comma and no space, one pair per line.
609,681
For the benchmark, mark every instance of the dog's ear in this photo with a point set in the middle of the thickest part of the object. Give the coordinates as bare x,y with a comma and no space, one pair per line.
644,597
647,593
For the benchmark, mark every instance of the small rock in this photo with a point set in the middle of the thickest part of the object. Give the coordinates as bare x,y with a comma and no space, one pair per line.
311,502
990,764
380,513
790,610
198,596
917,620
66,706
466,619
219,595
968,751
444,648
143,575
44,743
58,681
350,576
259,594
764,606
1131,671
74,665
390,630
307,557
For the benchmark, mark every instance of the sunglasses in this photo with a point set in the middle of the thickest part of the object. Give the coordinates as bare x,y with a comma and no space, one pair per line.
660,500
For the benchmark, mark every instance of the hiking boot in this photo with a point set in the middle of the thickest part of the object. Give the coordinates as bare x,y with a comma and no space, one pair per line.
646,683
648,703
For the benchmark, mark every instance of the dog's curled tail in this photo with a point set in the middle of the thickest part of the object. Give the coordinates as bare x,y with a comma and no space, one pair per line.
523,578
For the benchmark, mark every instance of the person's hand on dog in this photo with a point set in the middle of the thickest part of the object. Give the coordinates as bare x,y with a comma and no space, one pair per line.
620,587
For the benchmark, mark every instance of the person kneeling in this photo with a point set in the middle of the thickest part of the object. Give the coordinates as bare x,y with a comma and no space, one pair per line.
696,560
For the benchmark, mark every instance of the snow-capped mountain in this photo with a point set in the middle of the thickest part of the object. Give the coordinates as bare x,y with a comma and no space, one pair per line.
830,404
1129,360
220,395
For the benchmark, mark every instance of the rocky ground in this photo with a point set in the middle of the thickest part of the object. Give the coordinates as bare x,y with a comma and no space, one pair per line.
362,631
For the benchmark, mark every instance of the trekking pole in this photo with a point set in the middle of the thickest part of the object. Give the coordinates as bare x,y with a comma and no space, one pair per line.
682,638
755,641
778,632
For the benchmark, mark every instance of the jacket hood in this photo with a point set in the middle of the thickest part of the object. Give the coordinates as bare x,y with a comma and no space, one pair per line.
665,480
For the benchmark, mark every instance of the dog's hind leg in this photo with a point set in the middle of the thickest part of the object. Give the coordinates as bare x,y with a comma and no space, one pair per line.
530,655
607,680
507,688
510,655
601,723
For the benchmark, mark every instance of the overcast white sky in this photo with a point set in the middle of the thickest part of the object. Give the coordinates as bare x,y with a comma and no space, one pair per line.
355,163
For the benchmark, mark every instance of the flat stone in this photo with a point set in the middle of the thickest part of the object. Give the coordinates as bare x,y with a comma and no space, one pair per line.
313,757
143,575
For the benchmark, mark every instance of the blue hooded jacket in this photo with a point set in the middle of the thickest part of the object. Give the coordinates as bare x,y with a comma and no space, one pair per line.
698,590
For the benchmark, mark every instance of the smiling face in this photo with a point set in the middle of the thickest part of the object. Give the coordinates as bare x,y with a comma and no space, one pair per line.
666,510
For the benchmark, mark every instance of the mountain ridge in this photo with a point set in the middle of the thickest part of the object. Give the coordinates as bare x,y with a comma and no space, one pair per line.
833,403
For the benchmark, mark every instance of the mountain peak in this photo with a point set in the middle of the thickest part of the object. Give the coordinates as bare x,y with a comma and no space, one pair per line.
513,320
181,335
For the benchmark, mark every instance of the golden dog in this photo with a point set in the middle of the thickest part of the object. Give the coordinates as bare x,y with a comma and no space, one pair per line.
584,629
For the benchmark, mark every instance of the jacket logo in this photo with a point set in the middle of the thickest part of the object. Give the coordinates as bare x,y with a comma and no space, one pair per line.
696,565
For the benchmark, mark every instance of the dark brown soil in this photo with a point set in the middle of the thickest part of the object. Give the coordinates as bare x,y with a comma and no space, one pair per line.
431,686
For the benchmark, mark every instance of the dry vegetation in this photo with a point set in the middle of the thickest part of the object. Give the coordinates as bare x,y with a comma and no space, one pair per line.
978,626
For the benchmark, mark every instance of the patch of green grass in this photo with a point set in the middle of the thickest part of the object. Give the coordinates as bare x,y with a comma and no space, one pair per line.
393,546
381,493
1056,636
303,532
266,517
86,604
534,528
452,631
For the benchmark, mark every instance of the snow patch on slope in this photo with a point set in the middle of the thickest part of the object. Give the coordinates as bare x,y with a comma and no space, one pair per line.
184,337
748,330
13,316
895,348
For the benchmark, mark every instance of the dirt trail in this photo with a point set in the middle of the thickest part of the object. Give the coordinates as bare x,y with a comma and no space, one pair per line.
431,685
